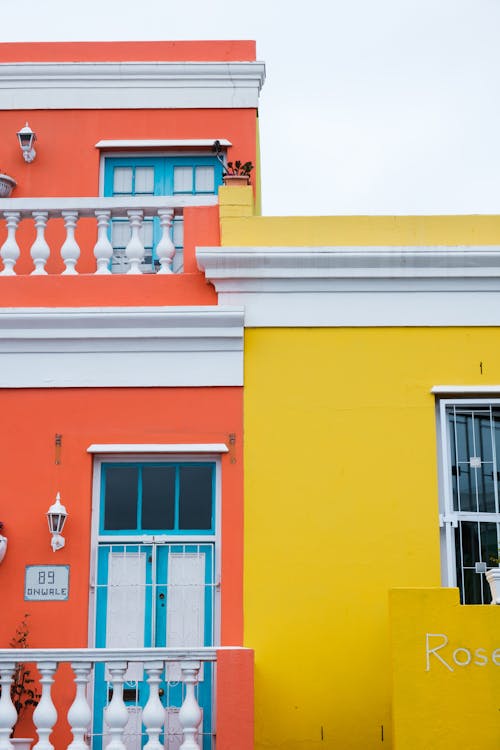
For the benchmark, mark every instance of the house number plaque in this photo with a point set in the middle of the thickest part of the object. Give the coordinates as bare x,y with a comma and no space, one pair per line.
46,583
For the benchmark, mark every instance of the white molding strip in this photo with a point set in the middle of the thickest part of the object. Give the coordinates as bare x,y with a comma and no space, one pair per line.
358,286
130,85
159,143
121,346
464,390
158,448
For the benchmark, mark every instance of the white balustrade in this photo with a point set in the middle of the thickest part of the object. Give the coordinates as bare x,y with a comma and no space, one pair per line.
116,714
190,713
8,714
103,211
10,251
80,714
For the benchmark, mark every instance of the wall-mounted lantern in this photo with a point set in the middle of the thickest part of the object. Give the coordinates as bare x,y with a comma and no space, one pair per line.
26,138
3,543
56,517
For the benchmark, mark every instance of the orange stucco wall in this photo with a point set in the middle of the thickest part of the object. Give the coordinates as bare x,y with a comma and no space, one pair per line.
30,420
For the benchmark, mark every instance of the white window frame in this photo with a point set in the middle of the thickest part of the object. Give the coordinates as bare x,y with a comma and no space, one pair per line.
448,517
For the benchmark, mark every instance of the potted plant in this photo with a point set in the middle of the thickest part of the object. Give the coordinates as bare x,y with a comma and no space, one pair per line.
3,543
7,184
493,578
24,690
237,174
233,174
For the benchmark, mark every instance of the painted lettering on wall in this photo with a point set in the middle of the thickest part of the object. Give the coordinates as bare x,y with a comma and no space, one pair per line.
439,654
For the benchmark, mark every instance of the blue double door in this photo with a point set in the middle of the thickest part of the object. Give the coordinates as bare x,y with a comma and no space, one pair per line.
155,585
148,176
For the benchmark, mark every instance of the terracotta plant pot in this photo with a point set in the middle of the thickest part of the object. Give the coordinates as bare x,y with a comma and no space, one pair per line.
493,578
7,185
236,180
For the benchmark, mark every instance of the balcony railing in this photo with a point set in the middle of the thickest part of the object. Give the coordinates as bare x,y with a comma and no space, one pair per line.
186,669
131,235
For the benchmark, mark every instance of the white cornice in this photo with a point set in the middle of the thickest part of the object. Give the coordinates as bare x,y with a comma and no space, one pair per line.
121,448
195,143
120,346
358,286
130,85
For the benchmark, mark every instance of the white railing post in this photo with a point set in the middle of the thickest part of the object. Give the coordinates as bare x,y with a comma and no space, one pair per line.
45,714
166,248
40,251
190,713
10,249
103,250
70,251
80,714
153,714
135,249
115,713
8,714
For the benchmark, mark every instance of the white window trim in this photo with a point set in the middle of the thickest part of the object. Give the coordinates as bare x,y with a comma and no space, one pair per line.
446,513
163,448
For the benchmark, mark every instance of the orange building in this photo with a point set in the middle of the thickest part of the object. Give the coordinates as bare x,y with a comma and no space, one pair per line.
122,385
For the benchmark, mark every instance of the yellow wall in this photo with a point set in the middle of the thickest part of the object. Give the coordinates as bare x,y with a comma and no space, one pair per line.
444,698
340,496
341,504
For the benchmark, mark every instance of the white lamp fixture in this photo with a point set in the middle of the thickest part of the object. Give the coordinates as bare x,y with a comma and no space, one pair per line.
26,138
56,517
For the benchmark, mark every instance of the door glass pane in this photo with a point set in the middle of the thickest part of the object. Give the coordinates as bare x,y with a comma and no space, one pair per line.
144,180
195,497
122,180
120,507
204,180
158,497
183,179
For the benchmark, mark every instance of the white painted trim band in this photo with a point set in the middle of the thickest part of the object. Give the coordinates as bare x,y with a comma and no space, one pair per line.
130,85
466,390
358,286
159,143
120,346
158,448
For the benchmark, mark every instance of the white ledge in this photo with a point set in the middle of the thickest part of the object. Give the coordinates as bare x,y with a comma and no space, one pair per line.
465,390
130,85
358,286
204,143
120,346
117,205
158,448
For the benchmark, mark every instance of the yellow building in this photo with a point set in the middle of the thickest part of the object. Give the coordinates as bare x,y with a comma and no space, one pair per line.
372,414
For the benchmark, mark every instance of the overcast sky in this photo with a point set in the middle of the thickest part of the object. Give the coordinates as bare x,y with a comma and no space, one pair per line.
370,106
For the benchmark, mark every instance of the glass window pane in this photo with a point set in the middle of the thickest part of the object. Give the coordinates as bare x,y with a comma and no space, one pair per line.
158,497
472,593
120,233
204,180
178,232
489,543
146,234
120,498
183,179
195,497
122,180
145,180
470,542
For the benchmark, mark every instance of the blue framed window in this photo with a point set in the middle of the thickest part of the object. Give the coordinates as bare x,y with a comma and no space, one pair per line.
173,498
156,175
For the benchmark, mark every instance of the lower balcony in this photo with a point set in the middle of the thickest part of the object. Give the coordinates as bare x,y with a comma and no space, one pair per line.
177,699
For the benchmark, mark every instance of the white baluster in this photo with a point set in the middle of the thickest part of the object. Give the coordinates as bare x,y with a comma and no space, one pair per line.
116,714
166,248
153,714
190,713
70,251
45,714
135,249
8,714
10,249
103,250
79,714
40,251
